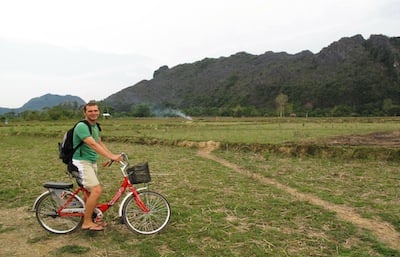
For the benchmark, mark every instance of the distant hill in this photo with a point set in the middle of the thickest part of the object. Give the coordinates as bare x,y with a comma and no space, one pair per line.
351,75
48,100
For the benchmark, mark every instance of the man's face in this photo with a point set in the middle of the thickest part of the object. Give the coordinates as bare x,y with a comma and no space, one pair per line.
92,112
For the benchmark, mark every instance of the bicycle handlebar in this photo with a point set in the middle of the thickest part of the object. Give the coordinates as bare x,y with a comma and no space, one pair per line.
124,157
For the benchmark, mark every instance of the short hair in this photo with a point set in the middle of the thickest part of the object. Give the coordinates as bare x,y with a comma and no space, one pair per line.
90,103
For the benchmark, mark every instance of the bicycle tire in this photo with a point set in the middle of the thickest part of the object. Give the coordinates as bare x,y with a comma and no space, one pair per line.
49,219
146,223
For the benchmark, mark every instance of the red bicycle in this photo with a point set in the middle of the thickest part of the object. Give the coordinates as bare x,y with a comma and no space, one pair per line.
60,210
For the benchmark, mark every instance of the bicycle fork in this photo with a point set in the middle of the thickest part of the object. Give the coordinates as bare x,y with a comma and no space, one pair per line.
138,200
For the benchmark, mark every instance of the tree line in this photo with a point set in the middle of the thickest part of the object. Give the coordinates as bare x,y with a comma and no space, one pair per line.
283,108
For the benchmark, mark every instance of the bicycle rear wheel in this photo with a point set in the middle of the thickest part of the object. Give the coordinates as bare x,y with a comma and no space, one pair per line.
146,223
49,219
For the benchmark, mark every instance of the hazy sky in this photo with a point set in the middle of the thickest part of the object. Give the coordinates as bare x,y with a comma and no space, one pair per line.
94,48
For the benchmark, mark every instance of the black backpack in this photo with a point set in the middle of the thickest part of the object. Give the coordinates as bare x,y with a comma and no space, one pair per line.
66,148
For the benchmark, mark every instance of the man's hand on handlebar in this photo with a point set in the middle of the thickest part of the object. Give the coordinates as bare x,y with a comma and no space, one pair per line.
117,158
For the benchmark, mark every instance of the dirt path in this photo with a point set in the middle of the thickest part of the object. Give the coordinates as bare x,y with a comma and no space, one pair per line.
384,231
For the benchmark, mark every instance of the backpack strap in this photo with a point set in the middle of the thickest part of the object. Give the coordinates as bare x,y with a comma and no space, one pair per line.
90,130
89,126
80,143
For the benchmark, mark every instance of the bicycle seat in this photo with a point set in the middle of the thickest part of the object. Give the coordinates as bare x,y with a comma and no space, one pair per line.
58,185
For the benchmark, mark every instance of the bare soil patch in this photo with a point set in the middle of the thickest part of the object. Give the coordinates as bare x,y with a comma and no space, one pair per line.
21,235
385,139
382,146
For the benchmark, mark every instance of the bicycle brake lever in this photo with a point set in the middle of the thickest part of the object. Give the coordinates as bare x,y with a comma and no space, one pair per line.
107,163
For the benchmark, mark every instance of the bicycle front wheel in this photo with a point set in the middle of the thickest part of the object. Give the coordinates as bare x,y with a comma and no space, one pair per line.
146,223
49,219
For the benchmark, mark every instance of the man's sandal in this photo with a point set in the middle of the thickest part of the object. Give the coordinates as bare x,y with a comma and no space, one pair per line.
94,228
102,223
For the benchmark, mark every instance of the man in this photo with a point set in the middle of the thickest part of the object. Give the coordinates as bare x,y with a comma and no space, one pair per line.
85,159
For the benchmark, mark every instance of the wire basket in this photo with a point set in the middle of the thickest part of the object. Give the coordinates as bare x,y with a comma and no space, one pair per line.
139,173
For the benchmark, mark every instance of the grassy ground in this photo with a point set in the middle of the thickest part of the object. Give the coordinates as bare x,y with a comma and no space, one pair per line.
224,130
217,211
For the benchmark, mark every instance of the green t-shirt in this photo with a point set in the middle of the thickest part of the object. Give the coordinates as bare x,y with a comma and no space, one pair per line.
85,152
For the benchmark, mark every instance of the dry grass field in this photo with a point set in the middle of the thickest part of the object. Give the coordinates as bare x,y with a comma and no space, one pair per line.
236,188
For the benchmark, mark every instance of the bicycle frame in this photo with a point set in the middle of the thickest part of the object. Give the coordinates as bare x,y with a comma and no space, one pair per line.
103,207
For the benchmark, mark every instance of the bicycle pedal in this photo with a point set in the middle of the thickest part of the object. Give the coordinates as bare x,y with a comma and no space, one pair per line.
51,214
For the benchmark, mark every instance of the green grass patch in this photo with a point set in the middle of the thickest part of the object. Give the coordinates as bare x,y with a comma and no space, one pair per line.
72,249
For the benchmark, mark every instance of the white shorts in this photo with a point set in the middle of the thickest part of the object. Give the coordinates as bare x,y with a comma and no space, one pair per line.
87,173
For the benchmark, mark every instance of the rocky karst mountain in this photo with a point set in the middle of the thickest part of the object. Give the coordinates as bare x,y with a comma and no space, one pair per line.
352,72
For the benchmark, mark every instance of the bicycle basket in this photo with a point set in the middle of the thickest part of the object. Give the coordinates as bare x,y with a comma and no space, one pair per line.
139,173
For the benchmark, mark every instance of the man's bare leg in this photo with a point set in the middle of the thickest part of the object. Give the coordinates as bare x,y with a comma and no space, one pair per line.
91,202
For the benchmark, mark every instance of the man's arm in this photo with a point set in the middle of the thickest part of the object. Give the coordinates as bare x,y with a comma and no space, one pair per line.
101,149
